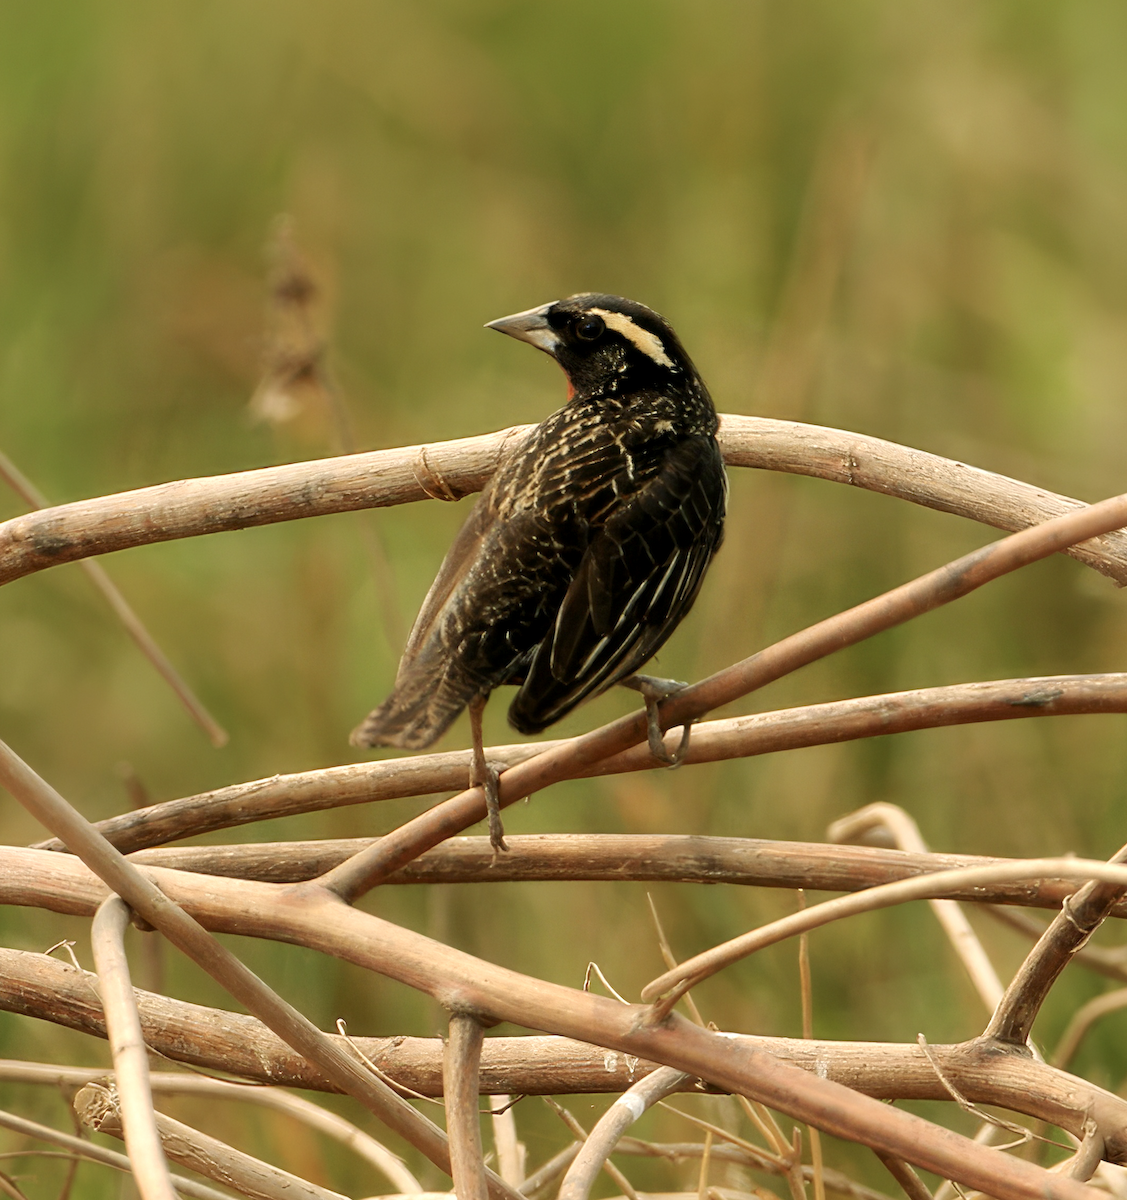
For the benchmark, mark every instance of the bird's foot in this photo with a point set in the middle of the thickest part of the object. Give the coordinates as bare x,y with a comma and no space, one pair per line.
486,776
654,690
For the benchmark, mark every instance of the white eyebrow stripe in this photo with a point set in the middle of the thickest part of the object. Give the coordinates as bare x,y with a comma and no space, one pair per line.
649,343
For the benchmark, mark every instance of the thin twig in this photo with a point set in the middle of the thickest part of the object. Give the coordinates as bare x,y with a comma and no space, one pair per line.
924,594
913,1185
463,1122
130,1058
133,625
926,887
577,1131
510,1150
807,994
1082,1020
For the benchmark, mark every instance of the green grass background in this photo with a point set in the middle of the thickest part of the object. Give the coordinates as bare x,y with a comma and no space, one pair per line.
896,216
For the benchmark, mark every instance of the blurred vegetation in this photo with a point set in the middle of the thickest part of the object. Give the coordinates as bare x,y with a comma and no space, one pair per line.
896,216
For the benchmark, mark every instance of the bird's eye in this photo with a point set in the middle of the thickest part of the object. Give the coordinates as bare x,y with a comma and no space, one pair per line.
590,328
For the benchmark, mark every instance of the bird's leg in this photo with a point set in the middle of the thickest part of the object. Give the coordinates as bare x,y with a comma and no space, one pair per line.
485,776
654,690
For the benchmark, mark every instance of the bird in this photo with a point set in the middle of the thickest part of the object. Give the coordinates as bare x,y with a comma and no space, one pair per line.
583,552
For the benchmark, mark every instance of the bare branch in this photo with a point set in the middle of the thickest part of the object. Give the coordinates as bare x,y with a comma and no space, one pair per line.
603,1138
1080,916
207,1156
99,1154
738,737
460,1065
639,857
927,887
192,507
130,1058
165,1026
930,591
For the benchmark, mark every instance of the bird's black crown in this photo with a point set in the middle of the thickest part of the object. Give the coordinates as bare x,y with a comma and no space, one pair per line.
604,343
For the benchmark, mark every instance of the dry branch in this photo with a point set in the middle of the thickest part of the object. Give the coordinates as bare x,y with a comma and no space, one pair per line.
182,1083
713,741
192,507
594,857
676,982
123,610
97,1107
99,1154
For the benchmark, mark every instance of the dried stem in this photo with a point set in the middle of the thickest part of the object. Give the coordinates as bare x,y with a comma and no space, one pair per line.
912,1184
1080,916
207,1156
463,1121
739,737
179,1084
603,1138
133,625
674,983
130,1057
192,507
930,591
646,858
99,1154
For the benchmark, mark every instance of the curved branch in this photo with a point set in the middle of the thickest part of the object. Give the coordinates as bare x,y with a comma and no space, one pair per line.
693,970
192,507
738,737
604,1135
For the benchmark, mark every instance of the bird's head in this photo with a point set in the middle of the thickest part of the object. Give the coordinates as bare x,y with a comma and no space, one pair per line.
605,344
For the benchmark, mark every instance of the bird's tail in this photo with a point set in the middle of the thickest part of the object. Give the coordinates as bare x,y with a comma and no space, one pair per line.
417,713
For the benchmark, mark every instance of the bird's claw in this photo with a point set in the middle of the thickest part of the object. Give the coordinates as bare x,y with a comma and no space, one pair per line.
486,776
654,690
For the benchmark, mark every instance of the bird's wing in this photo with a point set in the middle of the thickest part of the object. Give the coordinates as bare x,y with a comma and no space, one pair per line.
638,577
459,559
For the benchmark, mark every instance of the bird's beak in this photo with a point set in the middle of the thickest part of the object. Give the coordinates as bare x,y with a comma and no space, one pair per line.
532,327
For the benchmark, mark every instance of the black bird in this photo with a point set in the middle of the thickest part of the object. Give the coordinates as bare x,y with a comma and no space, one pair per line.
586,548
